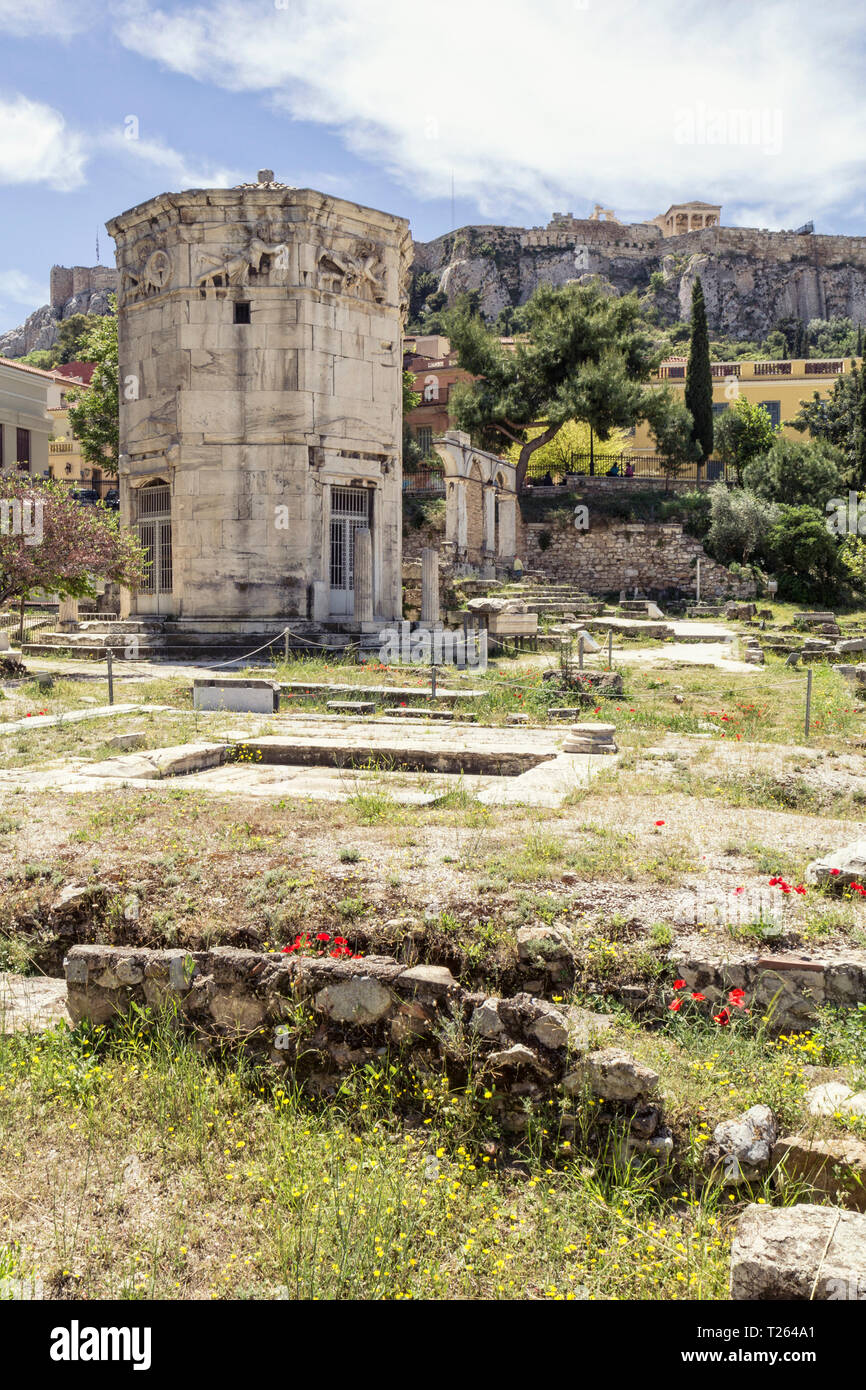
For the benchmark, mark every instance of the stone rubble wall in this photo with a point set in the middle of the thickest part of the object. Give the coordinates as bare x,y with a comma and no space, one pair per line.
608,557
625,555
792,992
319,1015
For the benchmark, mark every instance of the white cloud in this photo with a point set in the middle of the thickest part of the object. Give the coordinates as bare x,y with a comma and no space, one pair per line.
535,107
37,146
16,287
178,170
58,19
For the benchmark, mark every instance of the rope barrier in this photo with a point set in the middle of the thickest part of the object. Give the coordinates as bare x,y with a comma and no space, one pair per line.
286,632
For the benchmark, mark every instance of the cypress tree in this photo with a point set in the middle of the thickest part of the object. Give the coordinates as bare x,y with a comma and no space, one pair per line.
858,439
801,348
859,340
699,376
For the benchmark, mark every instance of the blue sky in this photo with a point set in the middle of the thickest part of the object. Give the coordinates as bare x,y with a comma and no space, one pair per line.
530,105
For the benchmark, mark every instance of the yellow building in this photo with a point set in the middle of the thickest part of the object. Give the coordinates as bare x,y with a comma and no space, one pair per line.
779,387
64,451
25,426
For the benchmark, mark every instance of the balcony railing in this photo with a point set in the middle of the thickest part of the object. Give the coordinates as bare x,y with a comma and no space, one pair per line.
428,480
824,368
772,369
601,465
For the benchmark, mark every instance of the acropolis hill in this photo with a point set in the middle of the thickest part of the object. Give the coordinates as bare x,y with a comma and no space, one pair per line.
752,279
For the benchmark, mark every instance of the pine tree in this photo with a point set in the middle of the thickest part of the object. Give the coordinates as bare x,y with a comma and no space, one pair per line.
699,376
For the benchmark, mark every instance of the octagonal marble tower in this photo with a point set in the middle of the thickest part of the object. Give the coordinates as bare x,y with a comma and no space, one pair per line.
261,401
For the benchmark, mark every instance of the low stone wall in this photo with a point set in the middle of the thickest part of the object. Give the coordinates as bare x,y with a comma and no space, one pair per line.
319,1015
623,555
790,990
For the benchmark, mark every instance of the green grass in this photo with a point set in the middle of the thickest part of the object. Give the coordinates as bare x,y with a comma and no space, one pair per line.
252,1190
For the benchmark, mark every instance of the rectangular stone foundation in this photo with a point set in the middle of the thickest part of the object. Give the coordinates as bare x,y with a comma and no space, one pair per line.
241,696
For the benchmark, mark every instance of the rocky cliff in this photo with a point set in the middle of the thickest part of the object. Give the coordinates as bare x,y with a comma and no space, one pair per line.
752,279
40,329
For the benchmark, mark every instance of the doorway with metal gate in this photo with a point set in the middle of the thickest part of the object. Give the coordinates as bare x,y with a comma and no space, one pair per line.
351,511
153,524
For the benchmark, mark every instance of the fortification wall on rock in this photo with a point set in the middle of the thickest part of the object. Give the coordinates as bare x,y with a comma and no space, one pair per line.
68,281
783,247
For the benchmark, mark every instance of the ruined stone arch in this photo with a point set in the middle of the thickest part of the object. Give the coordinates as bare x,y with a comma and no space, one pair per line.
479,487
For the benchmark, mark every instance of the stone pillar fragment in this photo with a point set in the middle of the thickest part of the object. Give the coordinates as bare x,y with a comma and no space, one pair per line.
363,576
67,615
429,585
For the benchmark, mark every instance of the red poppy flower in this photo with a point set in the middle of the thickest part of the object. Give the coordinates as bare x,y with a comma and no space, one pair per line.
696,994
679,984
741,889
800,888
723,1018
659,822
834,873
676,1006
322,936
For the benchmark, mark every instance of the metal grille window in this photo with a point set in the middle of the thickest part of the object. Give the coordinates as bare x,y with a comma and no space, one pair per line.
350,501
338,555
153,518
165,556
147,536
350,512
154,501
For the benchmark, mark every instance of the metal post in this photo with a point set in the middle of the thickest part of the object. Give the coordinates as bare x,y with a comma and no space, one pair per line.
21,623
610,649
808,700
286,646
580,653
110,659
433,681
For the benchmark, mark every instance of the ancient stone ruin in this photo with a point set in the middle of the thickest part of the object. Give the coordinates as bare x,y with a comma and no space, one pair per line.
260,382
